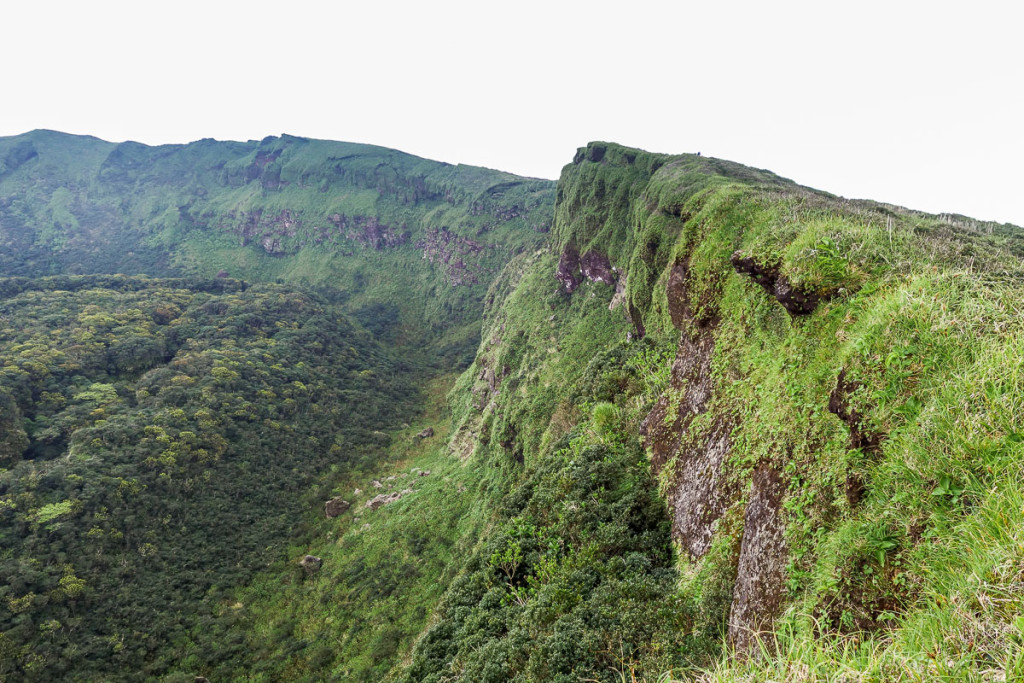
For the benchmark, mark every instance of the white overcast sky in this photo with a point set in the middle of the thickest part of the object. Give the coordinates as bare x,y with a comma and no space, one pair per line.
914,103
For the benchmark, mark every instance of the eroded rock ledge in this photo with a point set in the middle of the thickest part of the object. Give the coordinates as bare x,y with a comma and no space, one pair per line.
795,300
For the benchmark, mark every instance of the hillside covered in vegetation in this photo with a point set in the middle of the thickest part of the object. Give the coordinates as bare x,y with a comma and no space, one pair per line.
690,421
408,244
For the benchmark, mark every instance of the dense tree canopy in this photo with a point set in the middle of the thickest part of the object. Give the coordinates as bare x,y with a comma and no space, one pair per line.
158,440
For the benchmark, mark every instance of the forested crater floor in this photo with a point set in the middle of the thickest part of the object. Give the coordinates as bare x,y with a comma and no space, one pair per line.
368,417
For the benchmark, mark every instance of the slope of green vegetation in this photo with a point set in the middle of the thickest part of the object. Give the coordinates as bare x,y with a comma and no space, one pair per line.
384,567
161,443
572,577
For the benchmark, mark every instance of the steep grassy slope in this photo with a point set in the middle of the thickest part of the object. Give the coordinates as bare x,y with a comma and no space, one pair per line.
412,244
829,395
161,442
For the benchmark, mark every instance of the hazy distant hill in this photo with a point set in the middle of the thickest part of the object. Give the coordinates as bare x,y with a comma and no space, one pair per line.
376,226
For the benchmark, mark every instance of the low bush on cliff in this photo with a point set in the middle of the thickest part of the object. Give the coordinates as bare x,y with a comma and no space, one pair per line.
577,584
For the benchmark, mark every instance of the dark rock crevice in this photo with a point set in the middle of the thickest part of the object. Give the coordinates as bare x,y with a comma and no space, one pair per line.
568,268
760,576
796,300
862,438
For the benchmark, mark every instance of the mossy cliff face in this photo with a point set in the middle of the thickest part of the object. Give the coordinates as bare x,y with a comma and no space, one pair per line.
838,424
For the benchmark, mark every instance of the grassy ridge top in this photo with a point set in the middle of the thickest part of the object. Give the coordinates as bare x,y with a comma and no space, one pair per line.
600,190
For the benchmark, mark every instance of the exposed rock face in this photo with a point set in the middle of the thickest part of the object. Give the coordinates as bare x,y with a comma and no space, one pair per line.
367,231
484,394
592,265
702,495
274,231
699,495
795,300
311,564
270,178
759,590
620,293
678,309
272,245
386,498
597,268
502,212
568,268
382,499
269,230
335,506
426,433
455,254
488,376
